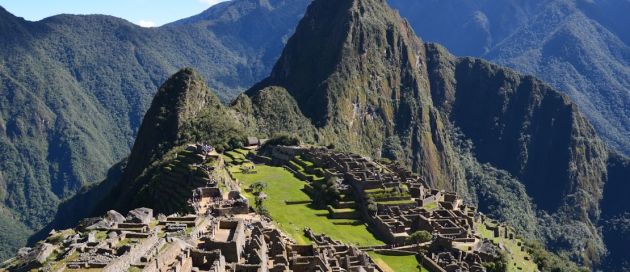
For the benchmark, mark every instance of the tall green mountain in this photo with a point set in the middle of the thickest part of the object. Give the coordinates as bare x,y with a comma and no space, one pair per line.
360,81
183,111
74,89
355,75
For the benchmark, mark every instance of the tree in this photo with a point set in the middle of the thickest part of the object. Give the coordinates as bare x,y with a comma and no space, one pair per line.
421,236
236,143
258,187
372,207
286,140
499,265
259,203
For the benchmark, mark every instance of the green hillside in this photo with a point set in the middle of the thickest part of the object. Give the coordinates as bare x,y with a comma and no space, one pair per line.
74,89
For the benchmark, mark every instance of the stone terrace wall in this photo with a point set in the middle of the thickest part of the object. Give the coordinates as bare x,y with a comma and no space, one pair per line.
165,258
124,262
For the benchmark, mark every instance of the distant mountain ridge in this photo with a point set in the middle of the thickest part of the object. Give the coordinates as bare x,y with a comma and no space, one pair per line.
580,47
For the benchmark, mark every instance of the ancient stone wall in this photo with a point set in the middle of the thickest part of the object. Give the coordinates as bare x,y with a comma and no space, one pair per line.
124,262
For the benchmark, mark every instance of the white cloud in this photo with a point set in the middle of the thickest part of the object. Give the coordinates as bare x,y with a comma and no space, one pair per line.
146,23
210,2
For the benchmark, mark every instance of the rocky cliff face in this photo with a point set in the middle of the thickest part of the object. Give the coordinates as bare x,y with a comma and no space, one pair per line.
522,125
615,214
357,71
578,47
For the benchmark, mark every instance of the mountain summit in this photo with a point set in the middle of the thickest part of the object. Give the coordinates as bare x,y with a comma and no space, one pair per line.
358,72
184,110
338,49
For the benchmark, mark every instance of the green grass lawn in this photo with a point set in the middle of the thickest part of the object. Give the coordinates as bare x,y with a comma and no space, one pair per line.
292,219
243,152
397,202
235,155
396,263
227,159
307,163
431,206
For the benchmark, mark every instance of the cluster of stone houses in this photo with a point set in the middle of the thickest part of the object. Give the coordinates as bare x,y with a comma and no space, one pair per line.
255,245
405,205
222,235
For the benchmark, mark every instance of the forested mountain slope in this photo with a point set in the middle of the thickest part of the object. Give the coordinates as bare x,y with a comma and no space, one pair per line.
73,91
579,47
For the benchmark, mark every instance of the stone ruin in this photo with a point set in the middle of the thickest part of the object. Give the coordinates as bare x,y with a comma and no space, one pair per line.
222,235
212,200
420,208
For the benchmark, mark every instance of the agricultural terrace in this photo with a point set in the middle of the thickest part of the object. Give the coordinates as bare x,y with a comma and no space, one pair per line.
290,207
519,259
396,263
282,187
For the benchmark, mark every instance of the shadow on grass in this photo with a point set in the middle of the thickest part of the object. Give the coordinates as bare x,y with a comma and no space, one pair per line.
348,223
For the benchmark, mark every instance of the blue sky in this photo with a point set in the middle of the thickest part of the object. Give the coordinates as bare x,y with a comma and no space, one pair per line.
142,12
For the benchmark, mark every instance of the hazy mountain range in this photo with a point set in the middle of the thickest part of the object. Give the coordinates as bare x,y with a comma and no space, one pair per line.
70,104
580,47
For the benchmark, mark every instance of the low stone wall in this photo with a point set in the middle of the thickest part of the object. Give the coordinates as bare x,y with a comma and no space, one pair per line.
383,230
187,265
346,204
124,262
430,264
297,202
260,159
402,206
395,252
343,215
166,257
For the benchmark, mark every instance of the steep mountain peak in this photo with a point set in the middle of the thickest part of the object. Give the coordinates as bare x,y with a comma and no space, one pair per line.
357,71
178,102
336,44
183,111
9,24
4,12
